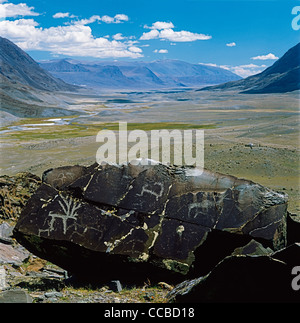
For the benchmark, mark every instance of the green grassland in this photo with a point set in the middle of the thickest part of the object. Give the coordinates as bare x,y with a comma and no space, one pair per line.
75,129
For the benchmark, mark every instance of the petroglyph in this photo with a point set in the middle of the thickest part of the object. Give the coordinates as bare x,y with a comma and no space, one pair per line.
197,208
193,209
69,207
146,189
180,230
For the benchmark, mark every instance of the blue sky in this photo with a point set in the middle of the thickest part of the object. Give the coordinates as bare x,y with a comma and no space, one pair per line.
240,35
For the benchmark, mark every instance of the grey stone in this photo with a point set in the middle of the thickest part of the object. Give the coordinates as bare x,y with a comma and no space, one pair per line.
115,286
53,294
6,233
15,296
3,284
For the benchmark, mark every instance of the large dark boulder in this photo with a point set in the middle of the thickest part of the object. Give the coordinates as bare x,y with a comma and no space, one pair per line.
148,220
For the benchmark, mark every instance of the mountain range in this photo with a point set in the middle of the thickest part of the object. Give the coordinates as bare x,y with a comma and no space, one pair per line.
283,76
136,74
29,89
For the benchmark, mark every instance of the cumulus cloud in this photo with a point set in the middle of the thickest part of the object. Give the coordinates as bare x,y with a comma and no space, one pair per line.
75,39
241,70
160,51
8,10
265,57
233,44
164,31
150,35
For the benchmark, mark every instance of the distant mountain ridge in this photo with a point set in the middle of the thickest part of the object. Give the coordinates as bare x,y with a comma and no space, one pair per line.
137,74
283,76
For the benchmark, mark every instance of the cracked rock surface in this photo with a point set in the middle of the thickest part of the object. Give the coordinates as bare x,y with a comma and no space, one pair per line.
147,220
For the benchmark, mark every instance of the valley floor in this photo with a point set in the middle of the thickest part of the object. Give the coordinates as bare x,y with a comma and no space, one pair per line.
249,136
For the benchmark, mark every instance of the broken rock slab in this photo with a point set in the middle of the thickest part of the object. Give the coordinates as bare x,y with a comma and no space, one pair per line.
14,255
148,220
250,274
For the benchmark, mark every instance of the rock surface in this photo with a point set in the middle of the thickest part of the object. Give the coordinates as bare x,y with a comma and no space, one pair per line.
152,220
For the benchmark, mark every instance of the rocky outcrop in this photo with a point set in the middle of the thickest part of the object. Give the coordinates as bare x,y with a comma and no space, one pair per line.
14,194
153,220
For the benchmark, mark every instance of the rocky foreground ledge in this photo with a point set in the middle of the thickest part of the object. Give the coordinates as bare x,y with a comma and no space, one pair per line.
136,222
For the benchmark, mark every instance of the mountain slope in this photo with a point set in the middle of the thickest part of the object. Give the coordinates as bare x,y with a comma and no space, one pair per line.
283,76
18,66
26,89
191,74
137,74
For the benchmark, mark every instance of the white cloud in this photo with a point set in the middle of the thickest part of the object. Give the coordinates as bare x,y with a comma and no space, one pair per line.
107,19
159,25
63,15
135,49
118,36
181,36
233,44
160,51
117,19
209,64
14,10
241,70
152,34
265,57
88,21
75,39
120,18
247,70
163,30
